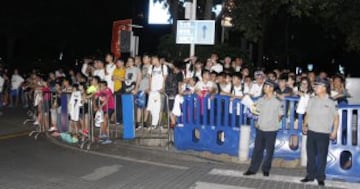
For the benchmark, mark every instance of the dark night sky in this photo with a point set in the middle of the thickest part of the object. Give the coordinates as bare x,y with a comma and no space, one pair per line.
44,28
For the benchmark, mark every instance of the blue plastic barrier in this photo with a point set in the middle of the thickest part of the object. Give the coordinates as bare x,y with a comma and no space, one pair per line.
344,153
207,125
288,129
128,116
64,127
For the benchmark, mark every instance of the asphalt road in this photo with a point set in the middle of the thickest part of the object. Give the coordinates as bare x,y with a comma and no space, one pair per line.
29,164
26,163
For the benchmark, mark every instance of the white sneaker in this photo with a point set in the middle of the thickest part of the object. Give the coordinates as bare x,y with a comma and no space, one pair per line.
52,129
36,123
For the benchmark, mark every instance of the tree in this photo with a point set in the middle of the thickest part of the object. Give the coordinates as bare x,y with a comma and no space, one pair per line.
254,17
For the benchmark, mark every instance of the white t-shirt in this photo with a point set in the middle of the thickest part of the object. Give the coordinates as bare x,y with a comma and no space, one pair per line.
205,87
100,73
256,90
198,75
237,91
218,68
74,105
189,74
108,78
157,77
16,81
225,88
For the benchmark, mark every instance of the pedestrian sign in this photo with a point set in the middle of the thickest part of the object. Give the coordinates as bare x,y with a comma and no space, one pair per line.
200,32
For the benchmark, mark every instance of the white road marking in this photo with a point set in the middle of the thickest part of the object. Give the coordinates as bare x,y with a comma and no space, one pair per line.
207,185
101,172
282,178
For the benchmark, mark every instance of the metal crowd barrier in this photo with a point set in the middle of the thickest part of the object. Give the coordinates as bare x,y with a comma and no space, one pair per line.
87,121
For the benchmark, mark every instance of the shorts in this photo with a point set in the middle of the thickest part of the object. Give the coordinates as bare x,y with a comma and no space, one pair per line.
46,106
14,92
110,112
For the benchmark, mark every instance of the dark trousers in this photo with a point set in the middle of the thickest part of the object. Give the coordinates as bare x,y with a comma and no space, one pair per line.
118,108
317,150
263,141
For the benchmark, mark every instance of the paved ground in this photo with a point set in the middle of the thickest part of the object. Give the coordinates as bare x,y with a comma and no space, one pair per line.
47,163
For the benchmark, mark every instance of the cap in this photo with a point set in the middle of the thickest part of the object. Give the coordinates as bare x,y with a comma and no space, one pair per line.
271,83
323,82
259,74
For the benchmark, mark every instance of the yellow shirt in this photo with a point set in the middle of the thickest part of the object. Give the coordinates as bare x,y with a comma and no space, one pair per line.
118,73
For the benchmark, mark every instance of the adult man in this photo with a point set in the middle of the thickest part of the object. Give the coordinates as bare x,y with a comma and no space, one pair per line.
158,74
109,70
16,81
321,116
270,109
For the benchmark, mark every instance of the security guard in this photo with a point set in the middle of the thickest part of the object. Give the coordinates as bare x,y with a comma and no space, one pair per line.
270,112
320,124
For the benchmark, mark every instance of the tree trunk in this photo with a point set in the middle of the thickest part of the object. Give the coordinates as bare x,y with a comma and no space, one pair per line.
260,53
174,10
208,9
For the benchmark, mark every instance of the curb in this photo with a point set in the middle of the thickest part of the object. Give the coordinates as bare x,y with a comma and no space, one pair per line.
187,154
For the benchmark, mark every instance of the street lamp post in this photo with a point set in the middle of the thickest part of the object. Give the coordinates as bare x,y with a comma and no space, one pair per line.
193,17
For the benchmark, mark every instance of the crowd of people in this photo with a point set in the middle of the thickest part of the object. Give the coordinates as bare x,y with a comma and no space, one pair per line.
154,78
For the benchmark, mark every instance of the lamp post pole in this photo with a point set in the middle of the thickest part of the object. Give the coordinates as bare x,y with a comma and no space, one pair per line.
193,17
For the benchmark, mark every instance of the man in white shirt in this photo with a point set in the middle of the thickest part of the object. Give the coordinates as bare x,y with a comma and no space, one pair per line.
257,87
16,81
158,74
109,69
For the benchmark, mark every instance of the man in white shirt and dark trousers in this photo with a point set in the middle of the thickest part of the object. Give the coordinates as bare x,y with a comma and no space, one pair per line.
16,81
157,73
270,111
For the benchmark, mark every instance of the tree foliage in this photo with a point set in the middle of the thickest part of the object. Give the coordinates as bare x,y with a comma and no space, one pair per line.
252,17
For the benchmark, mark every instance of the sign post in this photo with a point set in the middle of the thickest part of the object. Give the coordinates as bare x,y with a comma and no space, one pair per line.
193,17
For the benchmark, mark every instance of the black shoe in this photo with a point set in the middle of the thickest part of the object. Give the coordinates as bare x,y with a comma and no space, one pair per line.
247,173
306,180
266,174
321,183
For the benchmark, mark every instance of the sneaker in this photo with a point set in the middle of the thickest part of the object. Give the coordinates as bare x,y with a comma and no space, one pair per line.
75,139
36,123
103,136
107,141
84,132
52,129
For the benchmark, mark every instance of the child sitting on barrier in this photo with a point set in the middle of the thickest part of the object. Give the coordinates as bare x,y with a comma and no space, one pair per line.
184,89
107,104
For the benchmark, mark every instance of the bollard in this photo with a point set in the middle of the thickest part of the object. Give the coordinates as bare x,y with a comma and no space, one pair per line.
303,151
244,142
128,110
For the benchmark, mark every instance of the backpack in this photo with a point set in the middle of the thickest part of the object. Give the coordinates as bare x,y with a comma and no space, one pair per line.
171,85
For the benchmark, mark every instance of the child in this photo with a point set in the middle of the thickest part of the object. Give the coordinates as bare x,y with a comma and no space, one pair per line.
107,105
184,89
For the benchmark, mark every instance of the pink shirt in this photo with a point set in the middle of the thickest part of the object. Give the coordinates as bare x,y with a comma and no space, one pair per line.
106,94
46,93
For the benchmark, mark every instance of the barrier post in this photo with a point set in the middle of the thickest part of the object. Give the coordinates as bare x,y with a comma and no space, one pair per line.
128,116
244,142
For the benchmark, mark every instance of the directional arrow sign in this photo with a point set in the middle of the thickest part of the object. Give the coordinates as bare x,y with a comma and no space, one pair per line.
195,31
